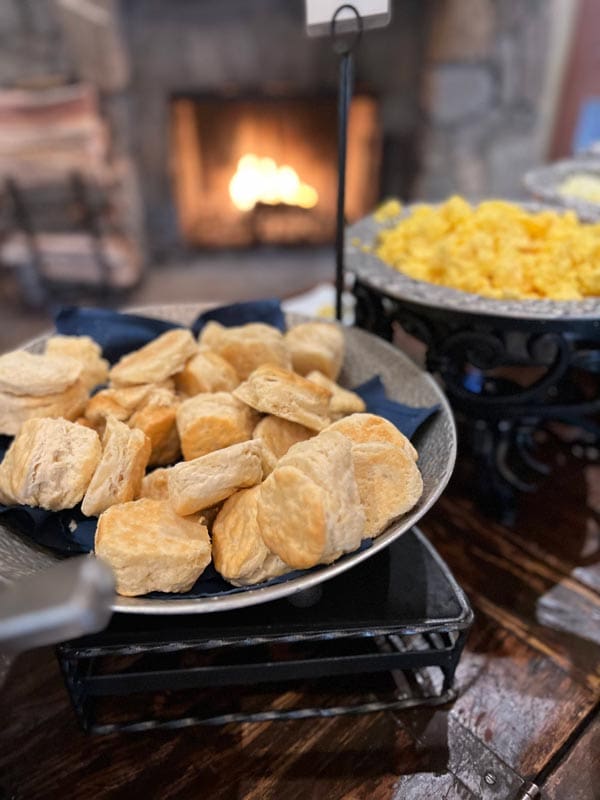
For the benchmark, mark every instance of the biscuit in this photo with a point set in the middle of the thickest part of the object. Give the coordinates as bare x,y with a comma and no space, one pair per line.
86,351
150,548
309,509
31,375
118,403
372,428
247,347
206,372
155,361
278,435
282,393
155,484
210,422
205,481
15,409
118,476
157,419
239,552
343,401
389,483
49,464
316,346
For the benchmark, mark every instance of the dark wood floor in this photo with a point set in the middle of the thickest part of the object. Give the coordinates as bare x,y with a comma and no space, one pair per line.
529,689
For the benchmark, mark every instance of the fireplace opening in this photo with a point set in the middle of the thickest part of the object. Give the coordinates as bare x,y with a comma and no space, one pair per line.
264,171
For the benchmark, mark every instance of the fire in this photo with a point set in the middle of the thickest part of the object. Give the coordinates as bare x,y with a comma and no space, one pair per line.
260,180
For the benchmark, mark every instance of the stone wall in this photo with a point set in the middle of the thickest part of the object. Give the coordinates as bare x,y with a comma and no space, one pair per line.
484,80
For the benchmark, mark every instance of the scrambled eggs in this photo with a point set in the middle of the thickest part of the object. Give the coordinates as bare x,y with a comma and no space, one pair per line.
496,249
585,187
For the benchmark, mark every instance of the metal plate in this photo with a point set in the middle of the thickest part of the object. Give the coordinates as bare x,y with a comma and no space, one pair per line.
376,273
544,184
366,356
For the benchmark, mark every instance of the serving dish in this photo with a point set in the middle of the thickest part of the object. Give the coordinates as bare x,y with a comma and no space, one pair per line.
544,185
371,270
366,356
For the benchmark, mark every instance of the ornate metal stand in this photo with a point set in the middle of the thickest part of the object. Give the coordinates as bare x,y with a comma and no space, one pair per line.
506,378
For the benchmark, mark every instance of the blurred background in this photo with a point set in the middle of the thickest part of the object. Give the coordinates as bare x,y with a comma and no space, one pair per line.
179,150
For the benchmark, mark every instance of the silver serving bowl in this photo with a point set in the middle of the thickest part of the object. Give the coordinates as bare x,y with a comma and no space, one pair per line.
374,272
544,184
366,356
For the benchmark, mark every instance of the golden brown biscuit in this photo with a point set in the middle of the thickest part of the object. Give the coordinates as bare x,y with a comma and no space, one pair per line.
210,422
31,375
239,553
278,435
49,464
343,401
15,409
150,548
118,403
206,372
372,428
282,393
157,418
389,483
316,346
205,481
309,509
155,484
118,476
86,351
155,361
247,347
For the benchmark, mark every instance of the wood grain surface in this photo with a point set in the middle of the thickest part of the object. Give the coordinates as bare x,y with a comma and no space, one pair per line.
528,682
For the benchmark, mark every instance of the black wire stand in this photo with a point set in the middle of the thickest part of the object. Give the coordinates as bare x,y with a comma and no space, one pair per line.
344,46
385,635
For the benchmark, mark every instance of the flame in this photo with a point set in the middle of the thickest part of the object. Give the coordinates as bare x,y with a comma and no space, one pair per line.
260,180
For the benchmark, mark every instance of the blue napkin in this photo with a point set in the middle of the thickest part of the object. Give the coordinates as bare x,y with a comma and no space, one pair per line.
69,532
406,418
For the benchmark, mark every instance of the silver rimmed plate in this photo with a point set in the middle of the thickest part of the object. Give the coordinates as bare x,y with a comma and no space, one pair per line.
366,356
374,272
544,183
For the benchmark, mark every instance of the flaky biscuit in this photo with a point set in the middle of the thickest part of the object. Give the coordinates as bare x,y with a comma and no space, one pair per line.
239,552
118,476
32,375
157,419
119,403
155,361
206,372
15,409
372,428
49,464
150,548
343,401
316,346
208,422
282,393
85,350
247,347
309,509
155,484
389,483
205,481
278,435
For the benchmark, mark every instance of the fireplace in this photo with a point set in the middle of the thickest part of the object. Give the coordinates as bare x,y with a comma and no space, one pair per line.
263,170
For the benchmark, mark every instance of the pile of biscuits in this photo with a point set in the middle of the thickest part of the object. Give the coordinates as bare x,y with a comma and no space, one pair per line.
240,447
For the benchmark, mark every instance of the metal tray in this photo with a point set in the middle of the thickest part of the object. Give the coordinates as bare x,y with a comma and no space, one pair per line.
374,272
366,355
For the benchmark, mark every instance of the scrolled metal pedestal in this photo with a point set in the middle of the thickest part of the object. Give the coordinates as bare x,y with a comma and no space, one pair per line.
507,378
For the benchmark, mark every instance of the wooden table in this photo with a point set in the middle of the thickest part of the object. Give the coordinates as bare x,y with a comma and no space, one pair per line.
529,684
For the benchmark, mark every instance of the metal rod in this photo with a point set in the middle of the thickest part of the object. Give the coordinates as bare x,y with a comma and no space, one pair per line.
345,95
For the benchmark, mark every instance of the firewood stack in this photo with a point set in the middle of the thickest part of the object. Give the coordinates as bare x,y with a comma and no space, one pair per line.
59,221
